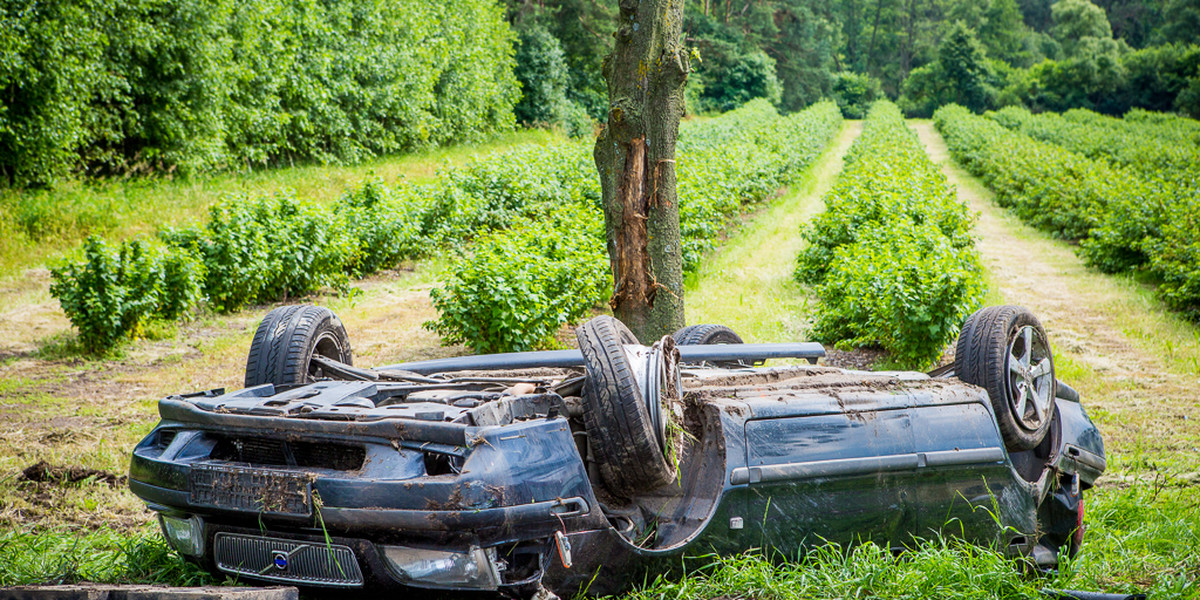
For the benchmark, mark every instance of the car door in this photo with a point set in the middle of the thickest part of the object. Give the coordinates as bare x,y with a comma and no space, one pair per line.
841,477
964,485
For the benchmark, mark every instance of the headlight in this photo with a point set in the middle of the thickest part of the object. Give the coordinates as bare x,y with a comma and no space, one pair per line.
474,569
186,536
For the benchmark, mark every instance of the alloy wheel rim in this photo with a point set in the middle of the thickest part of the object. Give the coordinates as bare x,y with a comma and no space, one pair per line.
1030,378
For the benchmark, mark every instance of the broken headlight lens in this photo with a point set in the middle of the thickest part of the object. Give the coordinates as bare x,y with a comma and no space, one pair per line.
474,569
185,535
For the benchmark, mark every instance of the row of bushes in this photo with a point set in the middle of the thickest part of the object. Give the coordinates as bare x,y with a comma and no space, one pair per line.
1163,151
892,258
513,290
545,201
1123,219
264,249
183,85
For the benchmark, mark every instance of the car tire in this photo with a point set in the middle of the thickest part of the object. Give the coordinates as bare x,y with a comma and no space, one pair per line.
1004,350
619,426
286,340
711,334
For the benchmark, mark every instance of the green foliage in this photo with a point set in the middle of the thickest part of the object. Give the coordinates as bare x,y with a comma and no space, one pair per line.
542,71
511,291
1175,255
1132,207
187,86
267,249
1076,22
892,256
384,223
111,292
35,557
855,93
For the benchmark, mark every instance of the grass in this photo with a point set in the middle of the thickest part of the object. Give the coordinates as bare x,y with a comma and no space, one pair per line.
36,225
63,556
1138,541
753,269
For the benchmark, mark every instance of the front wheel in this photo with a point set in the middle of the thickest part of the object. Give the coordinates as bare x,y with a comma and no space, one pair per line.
1004,350
623,397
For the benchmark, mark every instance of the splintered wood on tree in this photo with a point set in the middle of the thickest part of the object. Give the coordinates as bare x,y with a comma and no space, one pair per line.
635,284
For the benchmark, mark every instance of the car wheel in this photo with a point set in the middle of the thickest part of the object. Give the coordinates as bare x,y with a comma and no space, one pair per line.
286,340
711,334
625,430
1004,350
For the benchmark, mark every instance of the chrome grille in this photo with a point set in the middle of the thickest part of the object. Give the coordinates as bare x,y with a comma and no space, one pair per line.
302,562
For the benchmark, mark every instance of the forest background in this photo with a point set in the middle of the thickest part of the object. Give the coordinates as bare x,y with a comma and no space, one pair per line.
93,88
1108,56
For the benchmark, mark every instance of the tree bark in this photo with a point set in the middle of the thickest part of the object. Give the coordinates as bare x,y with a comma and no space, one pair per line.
635,155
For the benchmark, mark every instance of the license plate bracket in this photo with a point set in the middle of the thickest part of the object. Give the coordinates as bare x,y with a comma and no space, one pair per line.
262,491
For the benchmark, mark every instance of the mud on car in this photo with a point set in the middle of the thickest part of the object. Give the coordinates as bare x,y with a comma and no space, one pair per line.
589,469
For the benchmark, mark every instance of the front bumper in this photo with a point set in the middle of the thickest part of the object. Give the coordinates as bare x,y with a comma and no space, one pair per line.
488,508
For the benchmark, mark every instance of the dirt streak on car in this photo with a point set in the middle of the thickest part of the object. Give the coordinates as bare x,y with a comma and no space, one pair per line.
588,470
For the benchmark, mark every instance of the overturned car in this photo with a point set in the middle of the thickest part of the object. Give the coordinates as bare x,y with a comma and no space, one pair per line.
589,469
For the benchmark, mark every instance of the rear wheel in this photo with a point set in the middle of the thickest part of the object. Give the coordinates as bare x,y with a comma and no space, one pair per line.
622,405
287,339
1004,350
711,334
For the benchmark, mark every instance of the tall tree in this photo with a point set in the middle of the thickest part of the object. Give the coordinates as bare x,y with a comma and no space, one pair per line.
635,155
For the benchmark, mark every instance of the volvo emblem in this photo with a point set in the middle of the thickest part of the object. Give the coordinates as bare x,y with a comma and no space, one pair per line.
281,559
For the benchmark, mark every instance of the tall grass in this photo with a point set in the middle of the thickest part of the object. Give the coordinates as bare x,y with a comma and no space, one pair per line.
58,556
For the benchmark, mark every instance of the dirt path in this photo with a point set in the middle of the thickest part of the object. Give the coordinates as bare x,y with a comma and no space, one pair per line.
1136,364
754,268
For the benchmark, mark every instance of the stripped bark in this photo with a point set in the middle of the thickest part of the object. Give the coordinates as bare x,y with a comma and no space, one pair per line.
635,155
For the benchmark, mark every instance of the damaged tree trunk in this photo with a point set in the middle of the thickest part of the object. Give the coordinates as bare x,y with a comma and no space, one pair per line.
635,155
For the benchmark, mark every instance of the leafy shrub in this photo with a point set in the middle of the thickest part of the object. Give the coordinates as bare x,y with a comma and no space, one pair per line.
577,123
899,285
1175,257
267,249
511,291
892,256
384,224
854,93
113,291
